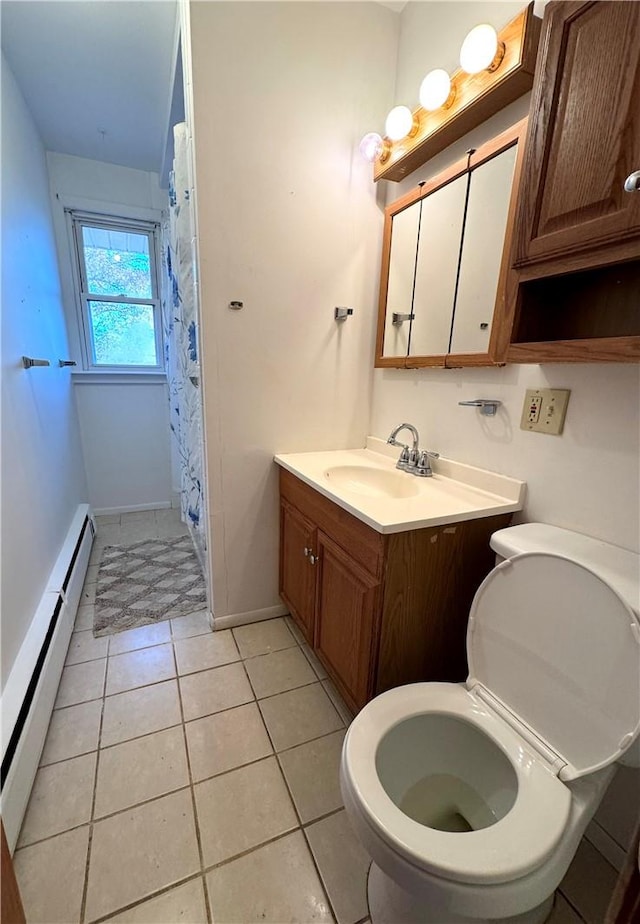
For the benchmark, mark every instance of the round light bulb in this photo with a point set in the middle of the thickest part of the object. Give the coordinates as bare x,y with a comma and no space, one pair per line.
399,123
371,145
479,49
435,89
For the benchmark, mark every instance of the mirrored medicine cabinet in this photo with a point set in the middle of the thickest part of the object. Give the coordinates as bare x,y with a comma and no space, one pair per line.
444,261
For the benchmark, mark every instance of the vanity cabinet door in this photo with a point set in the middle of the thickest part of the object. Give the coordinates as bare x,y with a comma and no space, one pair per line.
298,543
347,607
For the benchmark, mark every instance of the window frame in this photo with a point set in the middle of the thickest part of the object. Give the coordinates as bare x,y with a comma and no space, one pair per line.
78,220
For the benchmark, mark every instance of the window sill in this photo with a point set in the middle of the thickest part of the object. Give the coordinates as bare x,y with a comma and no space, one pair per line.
91,377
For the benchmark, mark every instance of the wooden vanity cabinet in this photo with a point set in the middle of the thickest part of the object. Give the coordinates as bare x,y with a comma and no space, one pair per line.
297,581
379,609
573,293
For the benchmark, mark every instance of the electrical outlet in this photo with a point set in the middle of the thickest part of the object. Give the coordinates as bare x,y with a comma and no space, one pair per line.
544,410
532,409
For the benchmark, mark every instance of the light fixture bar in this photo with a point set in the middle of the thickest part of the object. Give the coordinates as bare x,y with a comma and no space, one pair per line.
477,98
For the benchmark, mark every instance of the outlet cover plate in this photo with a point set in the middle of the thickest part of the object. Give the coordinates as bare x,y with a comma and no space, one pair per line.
544,410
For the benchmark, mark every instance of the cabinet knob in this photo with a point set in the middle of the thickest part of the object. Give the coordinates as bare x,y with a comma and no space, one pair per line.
307,552
314,558
632,182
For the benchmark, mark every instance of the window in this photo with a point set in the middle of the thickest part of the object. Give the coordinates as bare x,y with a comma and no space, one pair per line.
118,293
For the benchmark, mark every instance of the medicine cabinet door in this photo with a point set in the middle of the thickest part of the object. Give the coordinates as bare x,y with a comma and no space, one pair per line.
441,224
481,257
403,228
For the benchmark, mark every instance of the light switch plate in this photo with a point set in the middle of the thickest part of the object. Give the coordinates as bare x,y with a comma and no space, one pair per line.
544,410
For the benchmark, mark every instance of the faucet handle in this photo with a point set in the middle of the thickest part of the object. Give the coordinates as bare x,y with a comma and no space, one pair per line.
422,466
403,462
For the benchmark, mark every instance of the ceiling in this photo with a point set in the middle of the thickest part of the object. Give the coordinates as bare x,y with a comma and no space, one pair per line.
97,75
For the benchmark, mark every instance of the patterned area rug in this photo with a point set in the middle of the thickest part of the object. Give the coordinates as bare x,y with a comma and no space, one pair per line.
147,582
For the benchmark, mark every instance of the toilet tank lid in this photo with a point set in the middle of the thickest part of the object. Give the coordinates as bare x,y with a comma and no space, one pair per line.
619,567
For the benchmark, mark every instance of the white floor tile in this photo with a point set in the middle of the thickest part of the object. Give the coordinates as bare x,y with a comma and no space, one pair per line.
139,668
299,715
273,884
72,731
279,671
51,877
84,618
242,809
312,772
142,769
194,624
343,865
589,883
140,851
205,651
84,647
263,637
184,904
226,740
60,799
81,682
143,637
139,712
214,691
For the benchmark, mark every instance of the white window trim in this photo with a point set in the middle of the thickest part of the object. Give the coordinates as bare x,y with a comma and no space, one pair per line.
76,218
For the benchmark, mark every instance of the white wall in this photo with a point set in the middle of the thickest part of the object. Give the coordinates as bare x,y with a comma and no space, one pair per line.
43,478
125,438
124,425
290,223
588,479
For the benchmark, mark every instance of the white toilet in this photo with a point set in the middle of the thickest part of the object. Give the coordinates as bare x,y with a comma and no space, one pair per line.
472,798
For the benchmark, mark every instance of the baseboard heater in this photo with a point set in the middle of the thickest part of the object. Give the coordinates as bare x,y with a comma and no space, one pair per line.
30,690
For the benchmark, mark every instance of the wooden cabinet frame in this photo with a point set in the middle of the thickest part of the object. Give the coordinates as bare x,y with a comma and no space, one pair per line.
502,142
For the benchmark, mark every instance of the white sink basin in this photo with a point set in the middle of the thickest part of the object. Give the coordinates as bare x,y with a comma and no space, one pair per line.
372,482
366,483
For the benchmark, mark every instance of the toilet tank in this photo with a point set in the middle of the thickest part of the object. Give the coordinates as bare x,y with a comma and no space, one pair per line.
620,568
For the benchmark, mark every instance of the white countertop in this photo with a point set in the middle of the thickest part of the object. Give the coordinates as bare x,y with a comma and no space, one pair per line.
455,491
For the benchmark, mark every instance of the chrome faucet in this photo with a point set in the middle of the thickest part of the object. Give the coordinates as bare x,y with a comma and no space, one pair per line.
408,457
413,460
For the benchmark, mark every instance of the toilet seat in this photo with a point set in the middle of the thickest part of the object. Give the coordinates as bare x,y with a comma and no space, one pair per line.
554,673
515,845
559,651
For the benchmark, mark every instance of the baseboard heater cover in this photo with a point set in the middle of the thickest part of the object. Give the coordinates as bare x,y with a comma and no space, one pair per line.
29,694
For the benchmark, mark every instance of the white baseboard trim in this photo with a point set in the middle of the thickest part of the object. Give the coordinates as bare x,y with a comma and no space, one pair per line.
242,619
134,508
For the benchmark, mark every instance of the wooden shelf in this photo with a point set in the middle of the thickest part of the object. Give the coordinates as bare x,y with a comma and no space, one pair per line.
594,350
478,97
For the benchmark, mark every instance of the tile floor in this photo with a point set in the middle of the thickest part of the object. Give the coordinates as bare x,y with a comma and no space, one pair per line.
193,777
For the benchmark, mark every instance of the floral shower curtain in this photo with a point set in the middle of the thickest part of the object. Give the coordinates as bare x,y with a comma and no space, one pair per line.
180,320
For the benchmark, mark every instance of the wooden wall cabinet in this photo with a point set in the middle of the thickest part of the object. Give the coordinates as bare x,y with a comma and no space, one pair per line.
575,283
379,610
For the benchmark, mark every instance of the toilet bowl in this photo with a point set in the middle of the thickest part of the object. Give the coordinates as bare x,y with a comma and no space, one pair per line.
471,799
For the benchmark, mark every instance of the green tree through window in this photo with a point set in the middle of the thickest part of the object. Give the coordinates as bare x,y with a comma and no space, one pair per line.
119,294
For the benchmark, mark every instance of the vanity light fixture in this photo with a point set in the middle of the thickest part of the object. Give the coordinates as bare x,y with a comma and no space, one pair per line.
497,68
481,50
373,145
436,90
401,123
